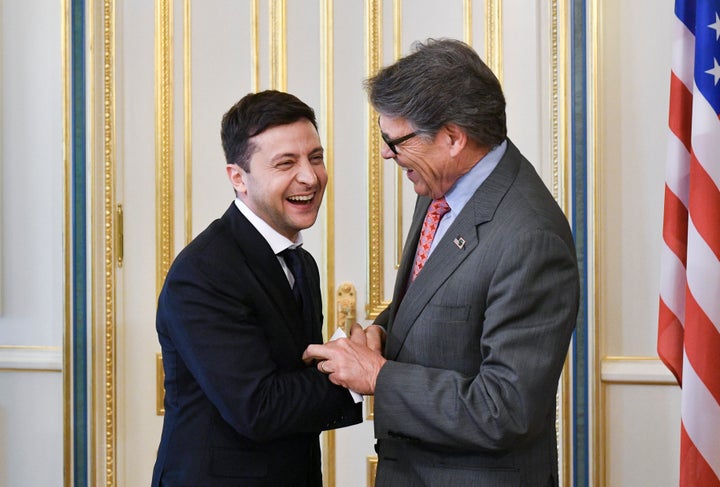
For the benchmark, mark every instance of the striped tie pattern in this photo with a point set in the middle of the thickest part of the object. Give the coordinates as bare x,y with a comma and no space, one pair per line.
435,212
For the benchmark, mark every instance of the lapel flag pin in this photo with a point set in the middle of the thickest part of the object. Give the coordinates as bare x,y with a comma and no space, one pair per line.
459,241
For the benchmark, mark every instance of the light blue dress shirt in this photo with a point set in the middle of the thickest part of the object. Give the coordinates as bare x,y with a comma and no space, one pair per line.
463,189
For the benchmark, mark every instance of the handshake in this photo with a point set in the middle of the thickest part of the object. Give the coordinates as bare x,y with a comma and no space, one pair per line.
353,362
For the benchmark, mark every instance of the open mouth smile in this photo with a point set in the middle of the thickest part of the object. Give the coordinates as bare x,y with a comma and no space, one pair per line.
301,199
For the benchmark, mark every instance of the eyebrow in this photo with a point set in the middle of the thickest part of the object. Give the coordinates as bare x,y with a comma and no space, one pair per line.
284,155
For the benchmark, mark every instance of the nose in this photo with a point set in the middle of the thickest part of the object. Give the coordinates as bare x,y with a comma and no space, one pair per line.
306,173
385,151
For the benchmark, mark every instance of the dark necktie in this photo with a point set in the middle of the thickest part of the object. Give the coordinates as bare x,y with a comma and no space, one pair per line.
300,289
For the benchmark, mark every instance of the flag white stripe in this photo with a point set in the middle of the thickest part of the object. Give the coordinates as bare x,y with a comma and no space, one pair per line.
672,283
683,53
700,416
706,136
677,170
703,275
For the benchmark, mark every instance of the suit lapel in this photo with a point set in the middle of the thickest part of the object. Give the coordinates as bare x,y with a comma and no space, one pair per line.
263,263
447,256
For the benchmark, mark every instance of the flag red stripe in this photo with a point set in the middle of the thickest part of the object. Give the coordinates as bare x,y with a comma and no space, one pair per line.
694,470
670,341
702,343
681,100
705,205
675,225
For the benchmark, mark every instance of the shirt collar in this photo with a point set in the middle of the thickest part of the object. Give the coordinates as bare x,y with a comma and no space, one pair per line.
275,239
463,189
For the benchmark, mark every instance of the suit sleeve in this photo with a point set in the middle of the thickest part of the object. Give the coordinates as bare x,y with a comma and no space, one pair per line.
230,348
529,313
382,318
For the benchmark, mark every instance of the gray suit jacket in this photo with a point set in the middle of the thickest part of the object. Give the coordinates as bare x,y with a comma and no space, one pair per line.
477,342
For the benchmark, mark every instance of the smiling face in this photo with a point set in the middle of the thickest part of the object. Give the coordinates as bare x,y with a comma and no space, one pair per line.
429,163
286,178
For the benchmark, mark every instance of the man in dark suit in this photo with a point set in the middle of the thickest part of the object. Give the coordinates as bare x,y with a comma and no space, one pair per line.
486,296
235,315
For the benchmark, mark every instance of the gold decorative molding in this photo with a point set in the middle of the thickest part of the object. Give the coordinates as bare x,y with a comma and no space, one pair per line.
278,45
255,45
560,58
467,23
327,56
493,37
397,50
560,158
159,385
187,116
328,127
31,358
346,299
109,207
596,338
373,38
164,174
372,462
629,370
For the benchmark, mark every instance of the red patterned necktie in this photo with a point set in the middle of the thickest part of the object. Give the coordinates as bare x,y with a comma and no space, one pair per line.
434,214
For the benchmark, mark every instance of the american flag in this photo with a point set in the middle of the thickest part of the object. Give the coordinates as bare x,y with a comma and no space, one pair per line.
689,318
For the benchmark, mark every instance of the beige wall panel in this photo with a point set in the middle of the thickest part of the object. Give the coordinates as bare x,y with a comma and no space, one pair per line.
32,274
526,75
350,148
31,428
32,174
304,80
642,436
641,421
633,83
221,74
422,19
354,444
137,426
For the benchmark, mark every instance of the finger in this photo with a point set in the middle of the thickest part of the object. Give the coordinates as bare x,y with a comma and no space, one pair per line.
357,334
375,338
315,352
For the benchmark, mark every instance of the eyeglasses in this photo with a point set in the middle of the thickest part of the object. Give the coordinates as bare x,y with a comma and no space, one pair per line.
392,143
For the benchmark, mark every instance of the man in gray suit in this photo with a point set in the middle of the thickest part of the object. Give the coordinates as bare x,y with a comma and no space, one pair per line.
486,297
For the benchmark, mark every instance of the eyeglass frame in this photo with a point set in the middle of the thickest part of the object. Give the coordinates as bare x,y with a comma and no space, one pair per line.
391,143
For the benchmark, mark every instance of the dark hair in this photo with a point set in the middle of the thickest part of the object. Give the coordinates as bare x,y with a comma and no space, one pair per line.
252,115
442,81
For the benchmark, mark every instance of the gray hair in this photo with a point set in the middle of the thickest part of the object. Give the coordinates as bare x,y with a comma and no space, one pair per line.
442,81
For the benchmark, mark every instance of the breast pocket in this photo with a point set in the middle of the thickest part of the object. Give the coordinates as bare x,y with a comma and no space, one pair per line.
448,315
446,337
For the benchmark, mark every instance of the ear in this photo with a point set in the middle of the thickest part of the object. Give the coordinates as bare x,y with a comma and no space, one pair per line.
456,137
237,177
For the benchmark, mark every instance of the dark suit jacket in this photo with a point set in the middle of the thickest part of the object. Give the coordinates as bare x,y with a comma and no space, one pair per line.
241,408
477,342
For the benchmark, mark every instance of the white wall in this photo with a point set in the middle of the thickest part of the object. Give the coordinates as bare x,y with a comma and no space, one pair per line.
31,247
